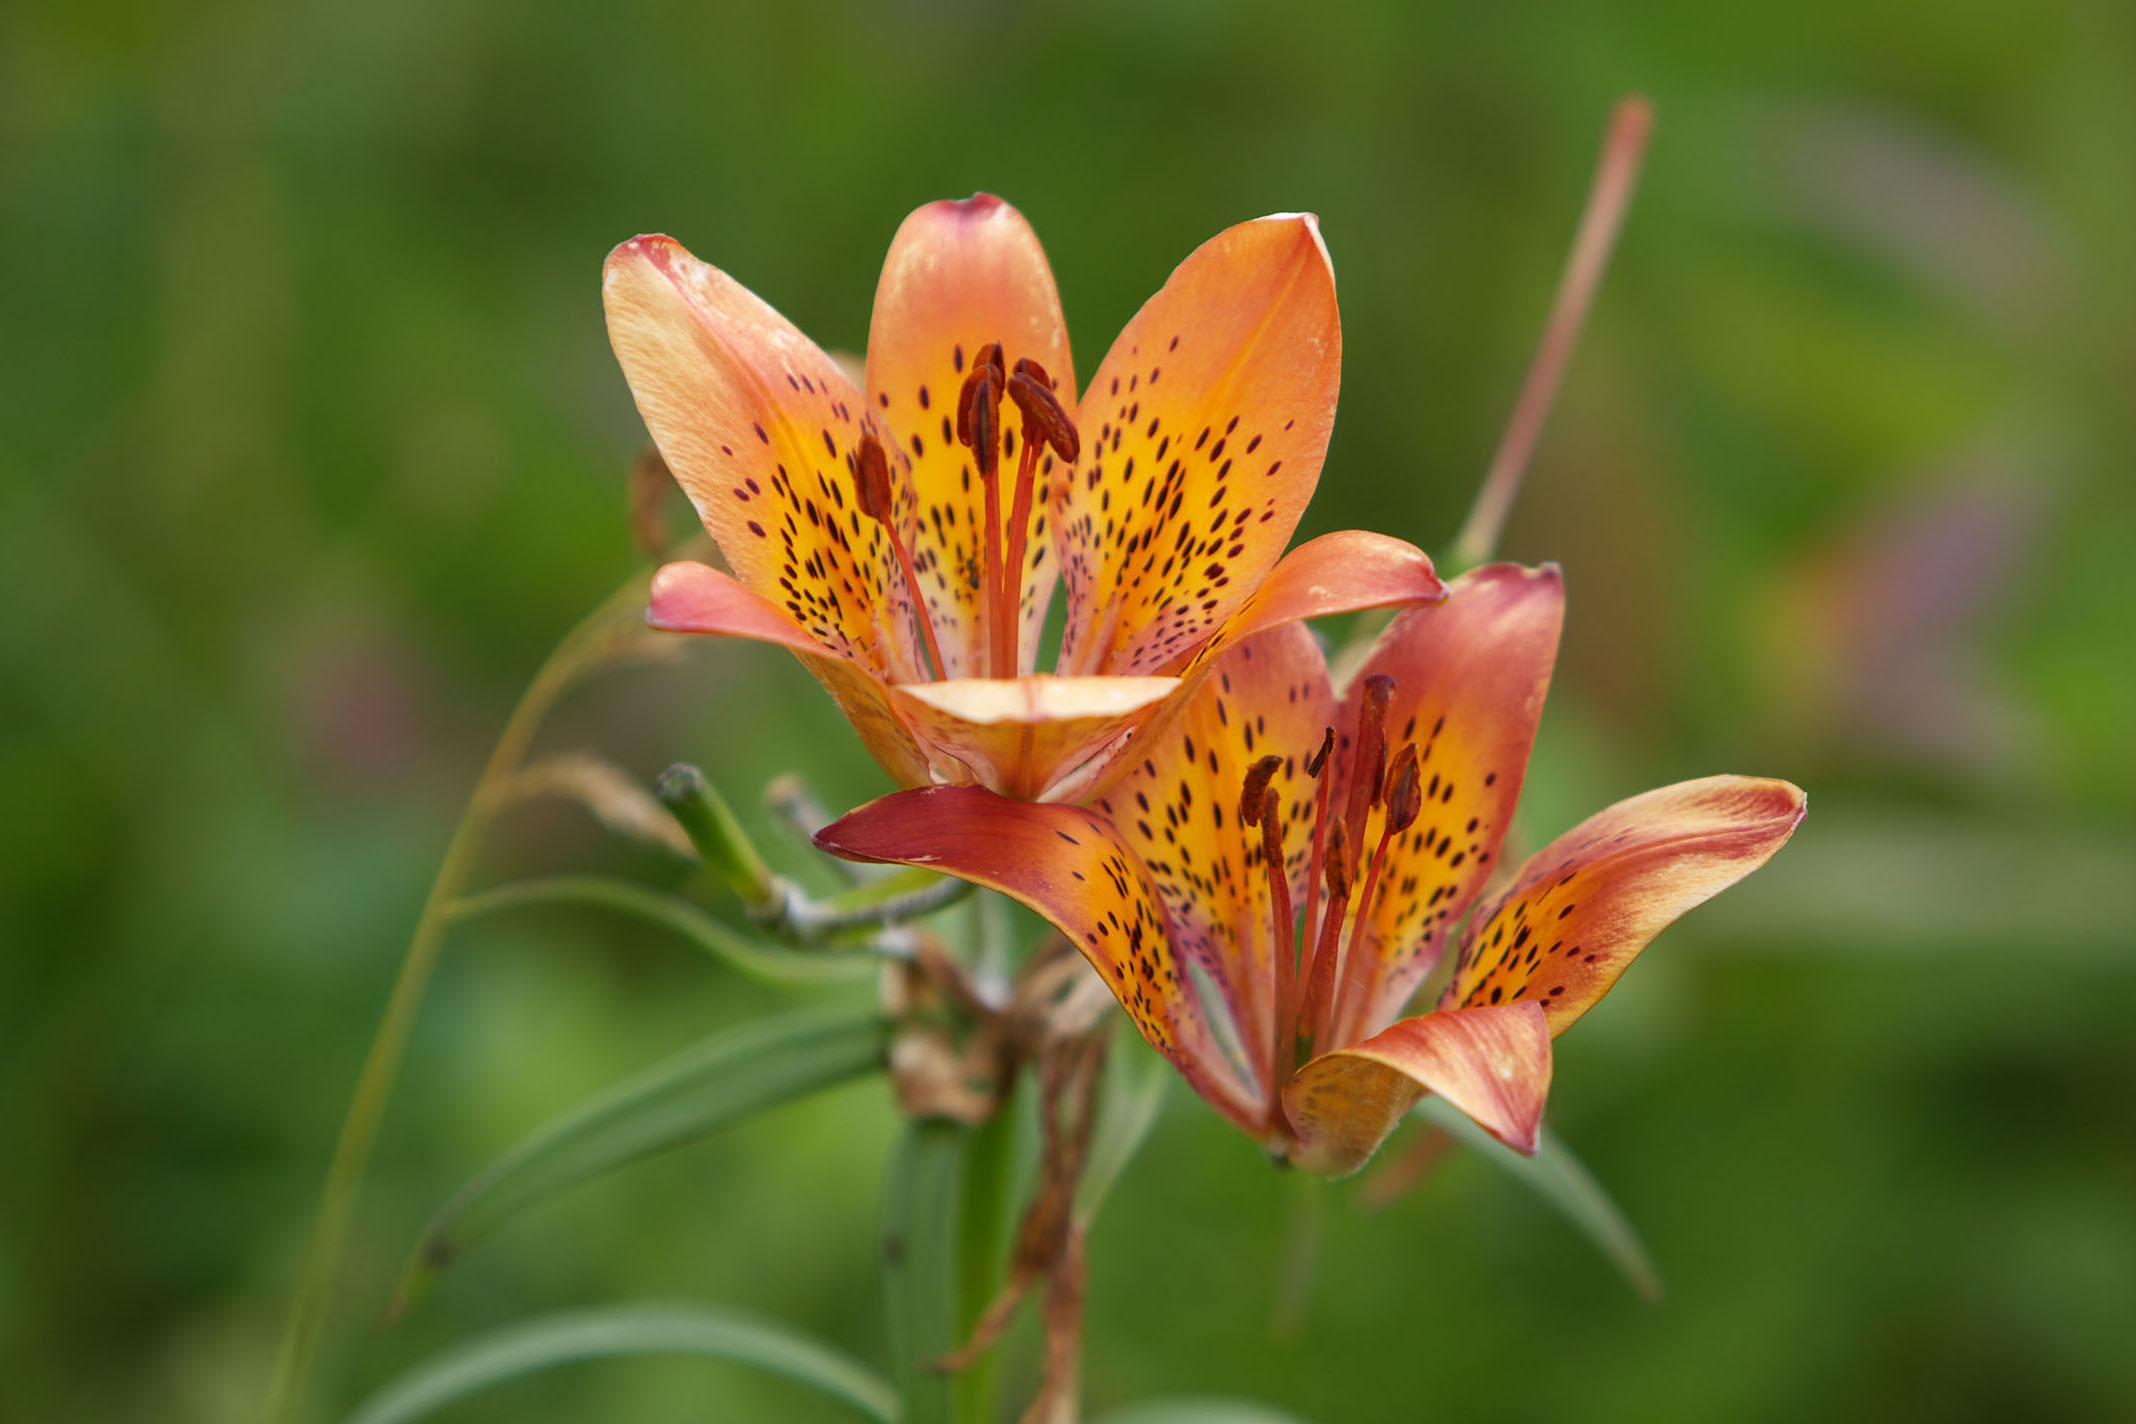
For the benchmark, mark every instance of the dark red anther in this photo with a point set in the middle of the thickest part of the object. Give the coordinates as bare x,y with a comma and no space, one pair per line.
1254,794
990,356
1319,759
1044,416
871,479
984,372
965,394
1404,797
979,417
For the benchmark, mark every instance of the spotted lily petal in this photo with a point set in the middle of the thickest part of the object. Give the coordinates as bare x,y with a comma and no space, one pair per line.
1336,573
1178,810
961,275
759,427
692,598
1014,735
1583,907
1344,572
1068,865
1492,1063
1203,436
1470,677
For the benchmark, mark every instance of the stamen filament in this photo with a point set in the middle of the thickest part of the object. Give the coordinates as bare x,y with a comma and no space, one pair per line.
920,612
1010,600
1320,990
1259,805
1316,766
1404,801
871,485
1356,966
1283,949
979,428
997,661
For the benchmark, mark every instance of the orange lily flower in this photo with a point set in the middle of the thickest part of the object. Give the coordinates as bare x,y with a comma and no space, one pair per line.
1281,995
904,539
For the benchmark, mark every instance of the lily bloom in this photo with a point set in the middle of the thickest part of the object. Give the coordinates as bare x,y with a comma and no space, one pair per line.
1269,887
904,537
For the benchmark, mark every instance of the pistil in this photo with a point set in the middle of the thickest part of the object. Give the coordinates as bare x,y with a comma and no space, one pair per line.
1368,763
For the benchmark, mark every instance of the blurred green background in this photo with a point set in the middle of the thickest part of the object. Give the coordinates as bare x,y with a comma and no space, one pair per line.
311,445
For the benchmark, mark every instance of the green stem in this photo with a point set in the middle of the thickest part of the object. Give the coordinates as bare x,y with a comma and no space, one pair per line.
765,963
587,644
1607,199
1303,1232
921,1209
908,896
990,1185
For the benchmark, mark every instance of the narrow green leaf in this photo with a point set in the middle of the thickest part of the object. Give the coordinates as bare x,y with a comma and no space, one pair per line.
922,1209
1559,1178
1135,1084
728,1077
550,1340
738,951
1200,1411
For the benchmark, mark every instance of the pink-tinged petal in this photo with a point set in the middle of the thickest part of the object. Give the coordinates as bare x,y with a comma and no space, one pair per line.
1177,808
689,597
1470,677
1067,864
1203,436
1583,907
759,427
1493,1064
1018,735
1344,572
693,598
961,275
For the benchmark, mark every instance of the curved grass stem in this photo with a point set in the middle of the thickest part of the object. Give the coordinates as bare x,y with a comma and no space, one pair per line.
604,634
1616,172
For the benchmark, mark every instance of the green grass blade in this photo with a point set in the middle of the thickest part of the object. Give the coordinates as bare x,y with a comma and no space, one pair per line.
1556,1175
608,633
728,1077
551,1340
739,952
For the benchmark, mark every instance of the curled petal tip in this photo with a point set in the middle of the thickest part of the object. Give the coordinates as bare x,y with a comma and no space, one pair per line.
1305,220
1309,225
978,208
653,247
